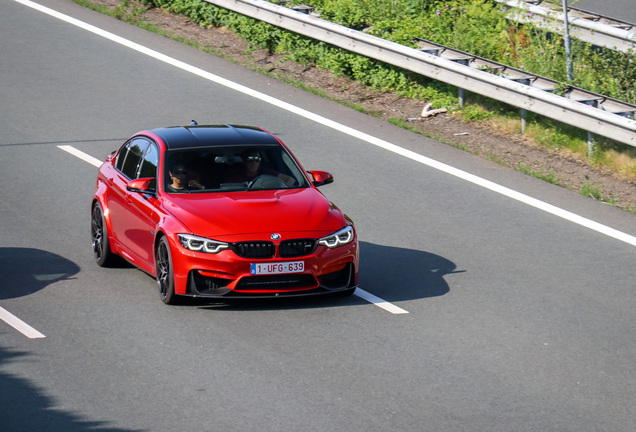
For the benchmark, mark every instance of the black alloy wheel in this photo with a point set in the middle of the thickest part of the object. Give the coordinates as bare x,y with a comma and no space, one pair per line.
165,275
99,234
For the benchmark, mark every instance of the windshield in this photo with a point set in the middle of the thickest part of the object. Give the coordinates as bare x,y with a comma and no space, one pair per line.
235,168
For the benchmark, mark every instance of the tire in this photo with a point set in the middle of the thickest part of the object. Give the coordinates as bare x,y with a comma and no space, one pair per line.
165,273
99,234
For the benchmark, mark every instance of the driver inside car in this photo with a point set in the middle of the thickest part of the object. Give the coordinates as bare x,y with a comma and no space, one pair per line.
181,178
252,168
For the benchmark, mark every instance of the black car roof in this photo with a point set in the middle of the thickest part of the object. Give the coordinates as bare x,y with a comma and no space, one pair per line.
183,137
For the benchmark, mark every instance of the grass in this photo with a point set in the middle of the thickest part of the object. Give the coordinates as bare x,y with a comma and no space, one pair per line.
555,136
543,174
595,192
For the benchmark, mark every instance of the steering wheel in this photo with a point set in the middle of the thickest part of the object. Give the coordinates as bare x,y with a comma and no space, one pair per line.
266,181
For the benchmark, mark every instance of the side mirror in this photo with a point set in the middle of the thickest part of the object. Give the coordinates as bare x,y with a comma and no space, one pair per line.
142,185
320,177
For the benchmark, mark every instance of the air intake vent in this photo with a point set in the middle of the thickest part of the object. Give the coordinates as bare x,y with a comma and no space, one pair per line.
296,248
276,282
254,249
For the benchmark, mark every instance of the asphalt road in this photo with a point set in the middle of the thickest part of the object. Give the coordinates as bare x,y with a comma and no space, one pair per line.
623,10
519,319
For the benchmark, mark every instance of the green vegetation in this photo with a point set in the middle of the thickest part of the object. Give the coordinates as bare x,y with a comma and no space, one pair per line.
594,191
479,27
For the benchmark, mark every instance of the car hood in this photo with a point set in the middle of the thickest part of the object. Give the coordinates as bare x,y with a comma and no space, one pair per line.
230,216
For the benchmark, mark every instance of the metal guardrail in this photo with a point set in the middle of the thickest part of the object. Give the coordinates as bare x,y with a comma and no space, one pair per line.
586,26
596,100
602,116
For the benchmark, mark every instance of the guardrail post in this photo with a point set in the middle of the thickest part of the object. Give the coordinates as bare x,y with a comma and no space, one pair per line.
567,42
591,148
524,114
461,93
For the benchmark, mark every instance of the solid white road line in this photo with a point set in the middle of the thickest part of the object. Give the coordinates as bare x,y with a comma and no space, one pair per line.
389,307
19,325
611,232
80,154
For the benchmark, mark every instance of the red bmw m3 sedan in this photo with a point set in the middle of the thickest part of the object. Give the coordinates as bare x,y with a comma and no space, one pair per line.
221,211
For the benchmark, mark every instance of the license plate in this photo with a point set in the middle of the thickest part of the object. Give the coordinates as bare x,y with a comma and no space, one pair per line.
277,268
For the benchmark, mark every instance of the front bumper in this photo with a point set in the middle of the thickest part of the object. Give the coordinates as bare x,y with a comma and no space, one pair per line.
226,275
284,285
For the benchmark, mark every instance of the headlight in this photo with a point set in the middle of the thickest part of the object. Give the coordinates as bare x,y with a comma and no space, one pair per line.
338,238
201,244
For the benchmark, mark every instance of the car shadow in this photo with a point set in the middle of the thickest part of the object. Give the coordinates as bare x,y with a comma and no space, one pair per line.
25,407
25,271
394,274
399,274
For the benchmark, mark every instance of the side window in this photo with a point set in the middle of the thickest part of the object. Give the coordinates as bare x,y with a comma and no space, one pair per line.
149,162
129,162
121,156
